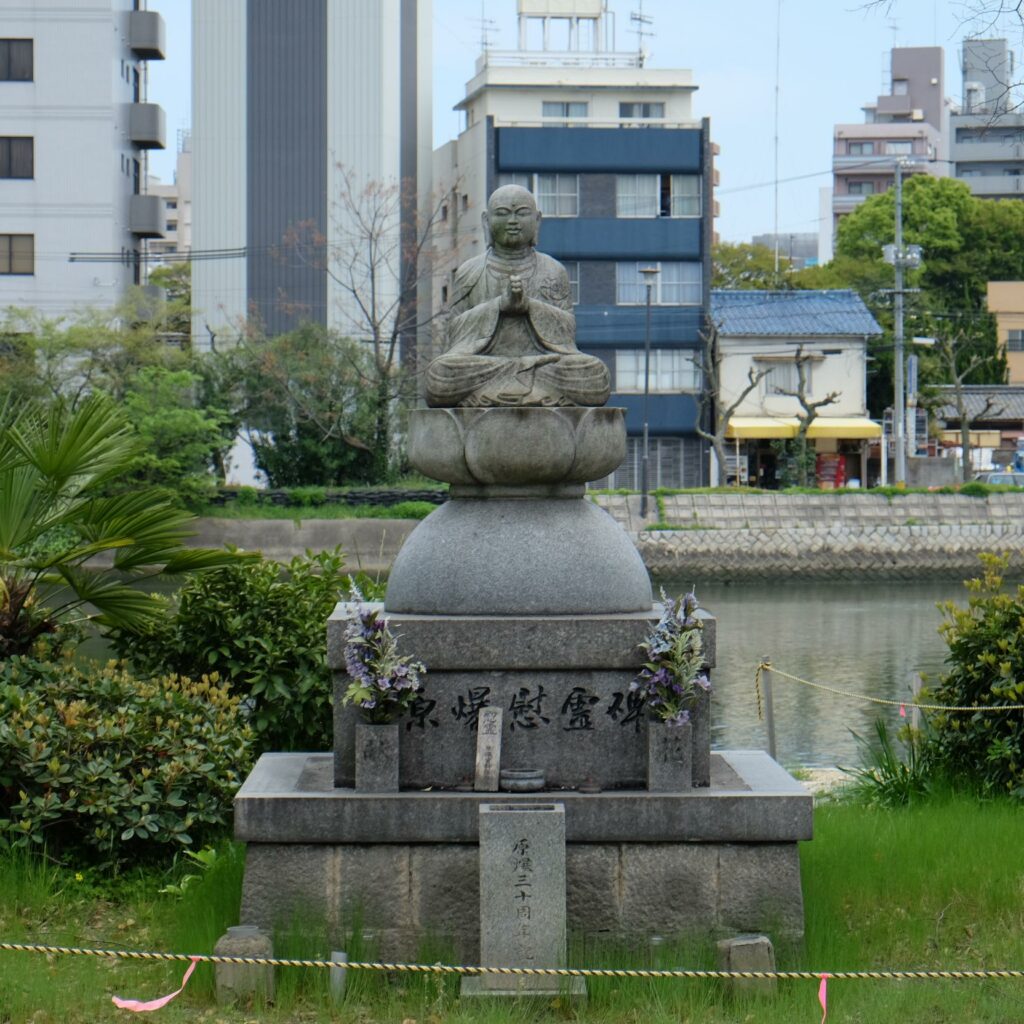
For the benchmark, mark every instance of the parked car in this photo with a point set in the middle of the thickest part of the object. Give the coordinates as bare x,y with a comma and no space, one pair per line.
1001,476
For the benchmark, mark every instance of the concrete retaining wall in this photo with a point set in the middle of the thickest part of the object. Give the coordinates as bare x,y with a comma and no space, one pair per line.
370,545
863,536
726,536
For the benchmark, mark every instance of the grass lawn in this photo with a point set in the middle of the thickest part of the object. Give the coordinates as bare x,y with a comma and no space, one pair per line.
938,886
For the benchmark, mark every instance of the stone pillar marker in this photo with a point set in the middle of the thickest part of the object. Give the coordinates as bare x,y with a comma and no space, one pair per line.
488,750
522,897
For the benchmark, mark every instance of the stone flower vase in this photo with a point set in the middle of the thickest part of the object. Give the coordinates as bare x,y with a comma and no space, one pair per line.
377,757
669,757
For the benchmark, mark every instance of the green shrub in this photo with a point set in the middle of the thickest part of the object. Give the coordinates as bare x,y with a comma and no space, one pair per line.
98,764
975,489
307,497
886,777
262,627
982,750
247,496
411,510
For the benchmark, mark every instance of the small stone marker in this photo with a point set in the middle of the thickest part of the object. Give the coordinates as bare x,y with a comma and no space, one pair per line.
488,750
748,953
242,982
669,757
522,898
377,757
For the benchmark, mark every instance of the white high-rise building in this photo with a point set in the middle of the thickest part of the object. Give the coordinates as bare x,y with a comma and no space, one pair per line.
74,131
288,98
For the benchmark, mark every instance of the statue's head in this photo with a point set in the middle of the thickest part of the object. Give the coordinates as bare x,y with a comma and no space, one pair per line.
512,219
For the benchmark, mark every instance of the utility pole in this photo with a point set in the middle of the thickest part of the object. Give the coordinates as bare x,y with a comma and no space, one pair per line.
899,413
901,257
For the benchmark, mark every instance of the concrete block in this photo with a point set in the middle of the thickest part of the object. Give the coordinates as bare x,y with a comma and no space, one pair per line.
667,889
759,888
748,953
244,982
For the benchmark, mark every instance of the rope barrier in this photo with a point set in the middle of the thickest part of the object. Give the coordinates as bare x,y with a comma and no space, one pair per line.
551,972
766,666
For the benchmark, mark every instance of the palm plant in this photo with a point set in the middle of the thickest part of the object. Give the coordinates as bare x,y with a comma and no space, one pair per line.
69,550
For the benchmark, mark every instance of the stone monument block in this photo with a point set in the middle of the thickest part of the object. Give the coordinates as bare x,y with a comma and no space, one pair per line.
488,750
522,895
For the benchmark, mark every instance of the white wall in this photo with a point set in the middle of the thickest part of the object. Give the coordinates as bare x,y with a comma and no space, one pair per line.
843,372
219,181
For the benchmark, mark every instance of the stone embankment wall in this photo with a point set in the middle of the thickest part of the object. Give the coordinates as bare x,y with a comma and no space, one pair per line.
864,536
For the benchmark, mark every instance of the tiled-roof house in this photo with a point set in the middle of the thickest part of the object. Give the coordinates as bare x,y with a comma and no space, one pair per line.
767,331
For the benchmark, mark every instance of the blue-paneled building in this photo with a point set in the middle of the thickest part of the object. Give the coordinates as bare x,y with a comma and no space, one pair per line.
623,177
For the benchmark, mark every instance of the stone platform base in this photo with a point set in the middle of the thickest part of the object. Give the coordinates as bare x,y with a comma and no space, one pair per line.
574,989
713,861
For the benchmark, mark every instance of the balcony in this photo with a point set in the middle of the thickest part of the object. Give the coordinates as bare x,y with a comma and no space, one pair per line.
146,125
982,151
147,35
146,216
994,186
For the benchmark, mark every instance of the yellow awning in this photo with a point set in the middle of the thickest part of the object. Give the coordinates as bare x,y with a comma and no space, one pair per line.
844,428
755,427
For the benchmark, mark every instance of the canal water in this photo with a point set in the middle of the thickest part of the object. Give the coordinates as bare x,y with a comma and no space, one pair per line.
868,638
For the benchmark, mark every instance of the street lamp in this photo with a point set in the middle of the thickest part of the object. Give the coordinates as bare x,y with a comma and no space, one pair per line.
650,274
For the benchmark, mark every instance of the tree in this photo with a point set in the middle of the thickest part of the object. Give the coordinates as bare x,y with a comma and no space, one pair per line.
380,259
301,400
179,437
742,266
959,363
56,518
807,415
710,364
70,358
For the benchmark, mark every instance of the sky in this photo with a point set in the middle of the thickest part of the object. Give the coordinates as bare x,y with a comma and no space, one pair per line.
833,57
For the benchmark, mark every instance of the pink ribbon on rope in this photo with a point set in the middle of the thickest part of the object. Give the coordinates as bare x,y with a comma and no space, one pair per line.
137,1006
903,711
823,997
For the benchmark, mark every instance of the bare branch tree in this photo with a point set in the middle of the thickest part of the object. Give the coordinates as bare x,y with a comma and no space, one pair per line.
959,370
808,410
381,260
711,407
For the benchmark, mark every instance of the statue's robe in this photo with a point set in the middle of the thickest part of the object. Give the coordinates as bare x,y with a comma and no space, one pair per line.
492,357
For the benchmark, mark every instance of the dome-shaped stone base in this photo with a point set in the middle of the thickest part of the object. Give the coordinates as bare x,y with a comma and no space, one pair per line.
518,556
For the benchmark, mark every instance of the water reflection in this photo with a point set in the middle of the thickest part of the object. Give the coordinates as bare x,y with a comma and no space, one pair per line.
865,637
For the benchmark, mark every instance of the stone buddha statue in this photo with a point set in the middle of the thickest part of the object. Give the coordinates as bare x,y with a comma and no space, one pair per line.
511,331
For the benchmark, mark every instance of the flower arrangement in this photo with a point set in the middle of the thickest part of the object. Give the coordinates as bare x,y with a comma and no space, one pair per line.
383,682
673,675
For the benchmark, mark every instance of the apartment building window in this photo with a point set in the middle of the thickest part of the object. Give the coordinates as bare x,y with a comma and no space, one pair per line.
672,370
17,254
676,284
641,111
860,148
900,87
565,110
572,268
16,156
860,188
657,195
15,60
899,148
637,195
558,195
684,195
1015,341
784,377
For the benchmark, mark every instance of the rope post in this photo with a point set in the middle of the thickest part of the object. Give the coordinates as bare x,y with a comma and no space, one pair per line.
915,712
769,706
